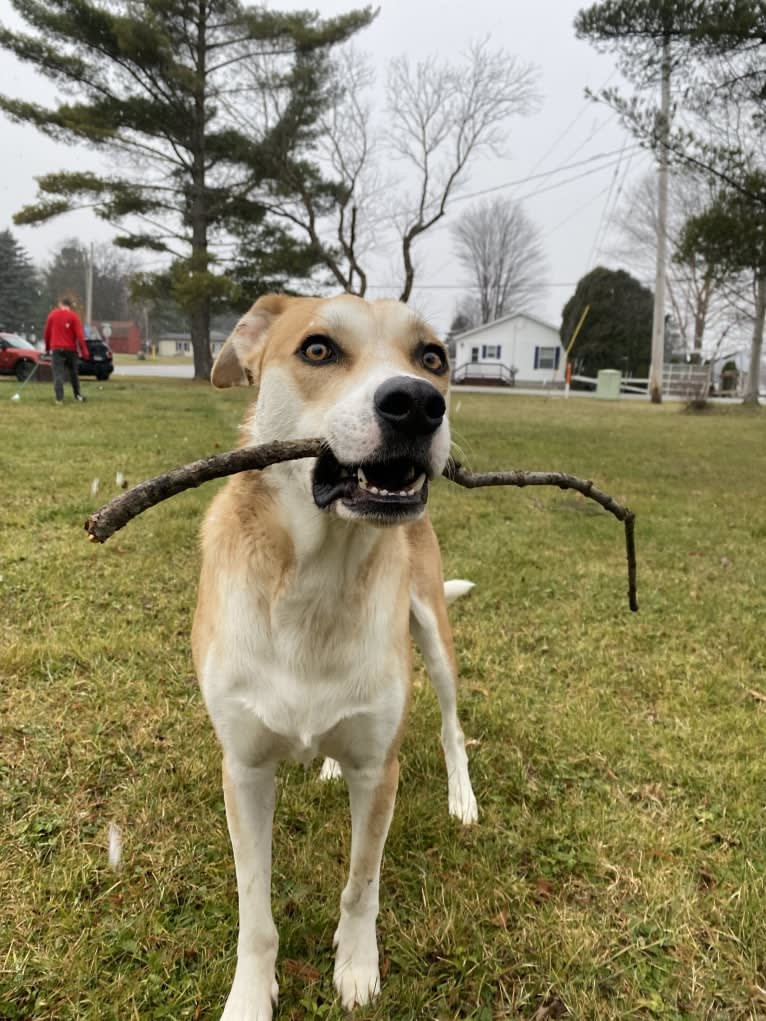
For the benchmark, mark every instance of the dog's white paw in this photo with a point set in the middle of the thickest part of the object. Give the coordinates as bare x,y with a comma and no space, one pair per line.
253,995
462,803
330,770
356,978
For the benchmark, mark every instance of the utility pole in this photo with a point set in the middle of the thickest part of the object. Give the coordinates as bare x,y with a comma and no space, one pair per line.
663,135
89,287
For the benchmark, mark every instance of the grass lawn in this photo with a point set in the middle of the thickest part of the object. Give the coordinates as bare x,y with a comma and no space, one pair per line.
618,869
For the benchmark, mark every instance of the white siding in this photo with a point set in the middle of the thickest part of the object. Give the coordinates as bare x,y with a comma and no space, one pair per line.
517,337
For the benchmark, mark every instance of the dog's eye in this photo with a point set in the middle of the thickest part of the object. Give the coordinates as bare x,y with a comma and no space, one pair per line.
317,350
433,359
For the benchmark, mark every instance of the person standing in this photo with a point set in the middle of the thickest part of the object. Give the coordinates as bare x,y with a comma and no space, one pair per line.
65,339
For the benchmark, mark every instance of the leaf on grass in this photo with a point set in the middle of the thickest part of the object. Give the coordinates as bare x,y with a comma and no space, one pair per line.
300,969
544,888
552,1008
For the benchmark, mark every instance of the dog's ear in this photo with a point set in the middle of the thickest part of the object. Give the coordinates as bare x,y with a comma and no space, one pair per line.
239,360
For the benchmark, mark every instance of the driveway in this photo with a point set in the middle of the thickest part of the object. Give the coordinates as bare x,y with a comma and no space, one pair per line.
149,370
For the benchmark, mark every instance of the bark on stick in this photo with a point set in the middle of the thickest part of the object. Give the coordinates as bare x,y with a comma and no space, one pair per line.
114,515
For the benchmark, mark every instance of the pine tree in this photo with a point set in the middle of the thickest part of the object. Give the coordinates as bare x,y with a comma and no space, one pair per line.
717,60
732,233
617,331
198,103
19,287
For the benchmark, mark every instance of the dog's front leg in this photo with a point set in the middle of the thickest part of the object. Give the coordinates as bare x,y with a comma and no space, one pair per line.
249,797
372,792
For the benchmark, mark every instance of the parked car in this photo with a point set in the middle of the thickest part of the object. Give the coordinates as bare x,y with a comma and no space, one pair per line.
101,362
17,356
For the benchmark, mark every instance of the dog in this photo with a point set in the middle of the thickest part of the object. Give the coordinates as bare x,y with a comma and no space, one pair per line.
313,574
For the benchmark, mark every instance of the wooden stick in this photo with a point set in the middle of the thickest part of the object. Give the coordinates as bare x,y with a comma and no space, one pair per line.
114,515
473,480
103,523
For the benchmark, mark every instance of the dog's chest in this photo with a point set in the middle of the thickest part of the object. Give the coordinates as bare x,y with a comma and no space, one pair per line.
318,654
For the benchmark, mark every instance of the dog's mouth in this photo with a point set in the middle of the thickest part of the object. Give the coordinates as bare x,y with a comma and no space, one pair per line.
388,489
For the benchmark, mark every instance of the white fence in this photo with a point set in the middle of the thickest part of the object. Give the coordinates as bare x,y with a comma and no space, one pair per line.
678,380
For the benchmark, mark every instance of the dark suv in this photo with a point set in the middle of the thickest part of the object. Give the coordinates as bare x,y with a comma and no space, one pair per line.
100,363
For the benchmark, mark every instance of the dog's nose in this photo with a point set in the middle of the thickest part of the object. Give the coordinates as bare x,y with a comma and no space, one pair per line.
410,405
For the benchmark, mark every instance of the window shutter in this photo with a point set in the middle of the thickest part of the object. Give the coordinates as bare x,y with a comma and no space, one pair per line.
558,357
537,357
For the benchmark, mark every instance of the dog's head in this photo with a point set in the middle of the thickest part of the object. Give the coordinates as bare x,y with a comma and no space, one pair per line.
369,378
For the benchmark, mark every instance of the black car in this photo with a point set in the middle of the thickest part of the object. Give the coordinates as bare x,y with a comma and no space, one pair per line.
100,363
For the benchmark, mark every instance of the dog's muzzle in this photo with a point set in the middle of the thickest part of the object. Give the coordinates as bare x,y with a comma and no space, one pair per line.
392,484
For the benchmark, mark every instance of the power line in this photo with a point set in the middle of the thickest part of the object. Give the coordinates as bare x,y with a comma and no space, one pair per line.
448,287
562,135
546,173
597,235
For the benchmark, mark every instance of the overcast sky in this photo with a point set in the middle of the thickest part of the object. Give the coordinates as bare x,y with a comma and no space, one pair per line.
574,208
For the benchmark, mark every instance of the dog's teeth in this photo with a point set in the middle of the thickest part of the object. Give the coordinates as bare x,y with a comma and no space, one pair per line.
421,481
374,489
361,478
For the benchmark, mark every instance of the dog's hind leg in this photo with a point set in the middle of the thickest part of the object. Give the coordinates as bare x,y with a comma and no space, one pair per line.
330,770
431,632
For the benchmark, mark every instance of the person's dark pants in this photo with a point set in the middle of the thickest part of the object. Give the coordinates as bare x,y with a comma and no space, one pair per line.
65,363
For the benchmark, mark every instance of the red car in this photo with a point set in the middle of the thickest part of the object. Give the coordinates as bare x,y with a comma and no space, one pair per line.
17,356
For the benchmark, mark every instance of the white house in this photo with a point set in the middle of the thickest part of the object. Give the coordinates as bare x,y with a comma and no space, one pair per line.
517,348
180,343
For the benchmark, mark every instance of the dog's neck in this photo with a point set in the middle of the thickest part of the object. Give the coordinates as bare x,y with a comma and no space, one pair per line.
321,536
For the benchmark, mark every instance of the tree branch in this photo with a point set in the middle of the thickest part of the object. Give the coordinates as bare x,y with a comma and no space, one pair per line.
103,523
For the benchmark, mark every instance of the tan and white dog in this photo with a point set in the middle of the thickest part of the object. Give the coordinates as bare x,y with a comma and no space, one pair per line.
314,572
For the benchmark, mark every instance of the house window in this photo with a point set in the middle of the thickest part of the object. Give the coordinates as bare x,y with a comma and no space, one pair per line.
547,357
474,354
490,351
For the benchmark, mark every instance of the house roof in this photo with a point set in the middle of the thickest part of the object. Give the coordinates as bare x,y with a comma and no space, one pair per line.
505,319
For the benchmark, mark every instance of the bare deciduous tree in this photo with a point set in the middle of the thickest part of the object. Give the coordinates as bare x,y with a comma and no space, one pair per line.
500,247
439,118
695,287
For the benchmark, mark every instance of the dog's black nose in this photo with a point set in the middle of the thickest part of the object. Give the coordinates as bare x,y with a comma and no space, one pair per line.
409,405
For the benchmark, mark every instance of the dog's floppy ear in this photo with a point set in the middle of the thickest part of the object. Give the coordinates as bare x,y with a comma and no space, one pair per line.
239,360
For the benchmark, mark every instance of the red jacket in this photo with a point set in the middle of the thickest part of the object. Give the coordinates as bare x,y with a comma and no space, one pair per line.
63,329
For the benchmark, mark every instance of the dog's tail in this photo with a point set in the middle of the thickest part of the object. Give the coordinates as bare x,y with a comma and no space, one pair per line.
455,589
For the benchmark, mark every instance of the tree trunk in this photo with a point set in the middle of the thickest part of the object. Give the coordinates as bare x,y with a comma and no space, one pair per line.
756,347
700,316
200,306
658,322
200,338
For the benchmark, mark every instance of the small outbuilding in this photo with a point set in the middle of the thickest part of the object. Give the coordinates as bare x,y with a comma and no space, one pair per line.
518,349
122,335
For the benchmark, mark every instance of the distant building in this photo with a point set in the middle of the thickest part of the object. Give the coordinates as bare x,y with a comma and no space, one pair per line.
122,335
179,344
518,349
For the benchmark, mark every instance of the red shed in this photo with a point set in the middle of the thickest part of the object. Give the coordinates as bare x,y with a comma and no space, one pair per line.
125,335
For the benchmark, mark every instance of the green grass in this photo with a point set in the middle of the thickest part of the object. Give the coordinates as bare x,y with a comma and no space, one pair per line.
618,867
